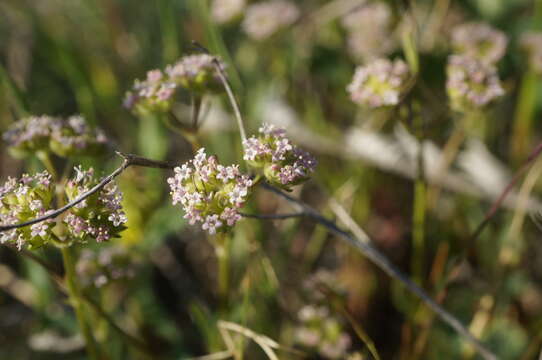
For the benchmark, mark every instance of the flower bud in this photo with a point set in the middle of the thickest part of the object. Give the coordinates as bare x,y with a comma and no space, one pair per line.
22,200
209,192
380,83
282,163
471,84
100,216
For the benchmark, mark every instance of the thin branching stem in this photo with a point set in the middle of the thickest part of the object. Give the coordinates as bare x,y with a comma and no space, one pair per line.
497,204
224,79
273,216
362,242
129,160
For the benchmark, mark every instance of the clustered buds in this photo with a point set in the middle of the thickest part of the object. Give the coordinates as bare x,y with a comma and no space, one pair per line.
380,83
195,73
320,330
25,199
102,267
471,84
480,41
532,43
64,137
100,216
264,19
225,11
369,31
209,192
282,163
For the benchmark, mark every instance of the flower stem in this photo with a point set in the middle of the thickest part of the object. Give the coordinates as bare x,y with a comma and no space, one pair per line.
46,161
76,301
418,208
222,255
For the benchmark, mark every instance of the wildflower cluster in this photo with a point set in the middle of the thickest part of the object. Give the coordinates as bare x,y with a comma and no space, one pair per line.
22,200
471,84
321,330
264,19
64,137
480,41
100,216
99,268
196,73
209,192
368,31
282,163
225,11
380,83
532,43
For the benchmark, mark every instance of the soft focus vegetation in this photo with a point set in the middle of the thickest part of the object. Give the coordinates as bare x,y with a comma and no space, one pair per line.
357,83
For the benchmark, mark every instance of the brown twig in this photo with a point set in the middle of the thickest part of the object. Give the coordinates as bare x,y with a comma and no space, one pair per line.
129,160
497,204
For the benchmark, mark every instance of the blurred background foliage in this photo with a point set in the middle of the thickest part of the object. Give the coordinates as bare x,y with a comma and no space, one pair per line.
66,57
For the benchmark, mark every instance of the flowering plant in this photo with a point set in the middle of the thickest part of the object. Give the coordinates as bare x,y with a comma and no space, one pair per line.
280,162
63,137
22,200
209,192
99,216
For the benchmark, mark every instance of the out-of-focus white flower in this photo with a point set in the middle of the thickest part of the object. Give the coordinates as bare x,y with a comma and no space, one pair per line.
480,41
224,11
380,83
471,84
264,19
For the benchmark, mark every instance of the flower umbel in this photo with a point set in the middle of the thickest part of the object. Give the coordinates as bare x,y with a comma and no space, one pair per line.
471,84
25,199
369,31
209,192
64,137
195,73
282,163
323,332
225,11
378,84
102,267
98,217
479,40
264,19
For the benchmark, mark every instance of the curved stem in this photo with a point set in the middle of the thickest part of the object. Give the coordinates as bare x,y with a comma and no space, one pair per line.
129,160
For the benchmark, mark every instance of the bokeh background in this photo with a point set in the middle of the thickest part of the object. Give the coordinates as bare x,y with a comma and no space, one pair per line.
80,57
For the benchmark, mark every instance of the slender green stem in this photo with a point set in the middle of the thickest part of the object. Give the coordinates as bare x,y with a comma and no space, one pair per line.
45,159
222,255
196,107
418,233
75,297
418,210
